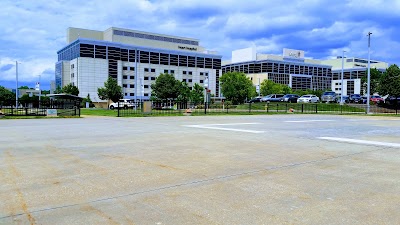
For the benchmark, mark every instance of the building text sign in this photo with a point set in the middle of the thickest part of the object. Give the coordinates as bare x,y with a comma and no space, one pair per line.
293,53
187,48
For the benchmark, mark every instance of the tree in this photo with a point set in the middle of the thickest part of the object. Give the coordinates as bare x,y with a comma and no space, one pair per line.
24,87
184,92
197,94
375,76
6,95
237,87
269,87
58,90
111,90
87,99
389,83
166,87
70,89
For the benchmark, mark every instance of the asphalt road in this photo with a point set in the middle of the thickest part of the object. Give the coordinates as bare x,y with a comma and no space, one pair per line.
272,169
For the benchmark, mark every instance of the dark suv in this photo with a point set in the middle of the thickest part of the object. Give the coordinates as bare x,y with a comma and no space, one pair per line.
355,98
290,98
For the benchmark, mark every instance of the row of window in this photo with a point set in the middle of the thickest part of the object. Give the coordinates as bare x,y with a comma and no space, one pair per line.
149,70
130,68
154,37
269,67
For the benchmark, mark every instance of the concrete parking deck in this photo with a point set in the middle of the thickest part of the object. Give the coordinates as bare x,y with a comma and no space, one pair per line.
273,169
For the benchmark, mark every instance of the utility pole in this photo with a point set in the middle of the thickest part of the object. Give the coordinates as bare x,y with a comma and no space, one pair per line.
369,71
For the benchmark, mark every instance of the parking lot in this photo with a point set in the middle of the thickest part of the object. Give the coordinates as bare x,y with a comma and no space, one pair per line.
269,169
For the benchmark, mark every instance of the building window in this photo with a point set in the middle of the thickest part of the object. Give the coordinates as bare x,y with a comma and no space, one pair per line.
146,86
72,74
132,68
183,72
132,86
165,71
132,77
126,94
146,69
190,73
201,81
146,94
172,71
184,80
132,94
153,78
201,73
72,66
124,68
124,85
153,70
146,78
190,80
124,77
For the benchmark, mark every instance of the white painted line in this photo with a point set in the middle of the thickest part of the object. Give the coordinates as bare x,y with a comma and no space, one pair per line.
307,121
226,124
214,127
363,142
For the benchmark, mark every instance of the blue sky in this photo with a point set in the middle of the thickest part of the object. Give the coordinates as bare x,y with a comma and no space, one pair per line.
33,31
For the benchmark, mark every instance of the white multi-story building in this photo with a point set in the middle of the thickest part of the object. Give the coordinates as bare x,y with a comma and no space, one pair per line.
353,70
300,73
134,59
291,68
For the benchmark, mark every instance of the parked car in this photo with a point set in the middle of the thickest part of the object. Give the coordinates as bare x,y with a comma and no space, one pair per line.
308,98
122,103
328,96
391,100
355,98
376,99
272,98
345,99
290,98
363,99
256,99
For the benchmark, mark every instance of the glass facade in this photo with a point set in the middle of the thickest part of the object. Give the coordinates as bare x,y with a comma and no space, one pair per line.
58,74
304,76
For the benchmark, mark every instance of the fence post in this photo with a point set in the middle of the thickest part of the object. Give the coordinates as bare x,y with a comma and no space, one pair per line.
302,108
397,103
341,109
118,108
250,107
316,108
205,107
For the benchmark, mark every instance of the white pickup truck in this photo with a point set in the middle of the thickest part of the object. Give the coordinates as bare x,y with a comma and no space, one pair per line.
123,103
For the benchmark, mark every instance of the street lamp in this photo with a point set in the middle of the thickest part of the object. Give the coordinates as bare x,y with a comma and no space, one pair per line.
341,89
369,71
16,84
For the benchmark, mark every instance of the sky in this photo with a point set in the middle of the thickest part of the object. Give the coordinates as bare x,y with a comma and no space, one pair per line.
33,31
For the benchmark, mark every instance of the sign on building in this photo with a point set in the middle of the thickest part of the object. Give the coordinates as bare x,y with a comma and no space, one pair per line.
293,53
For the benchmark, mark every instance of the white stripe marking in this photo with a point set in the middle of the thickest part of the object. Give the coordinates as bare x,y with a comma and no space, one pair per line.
212,127
306,121
364,142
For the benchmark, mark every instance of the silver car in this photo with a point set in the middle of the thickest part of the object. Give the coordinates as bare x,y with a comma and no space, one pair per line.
308,99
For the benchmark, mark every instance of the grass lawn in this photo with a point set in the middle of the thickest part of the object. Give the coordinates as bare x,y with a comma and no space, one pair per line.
98,112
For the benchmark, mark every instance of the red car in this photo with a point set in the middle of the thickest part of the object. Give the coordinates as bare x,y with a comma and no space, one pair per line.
376,99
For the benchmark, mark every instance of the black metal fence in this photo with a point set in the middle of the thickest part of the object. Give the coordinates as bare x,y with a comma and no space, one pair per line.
39,108
189,108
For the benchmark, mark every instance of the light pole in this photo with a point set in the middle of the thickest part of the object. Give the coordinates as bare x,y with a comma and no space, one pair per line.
341,89
16,84
369,71
40,91
205,90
